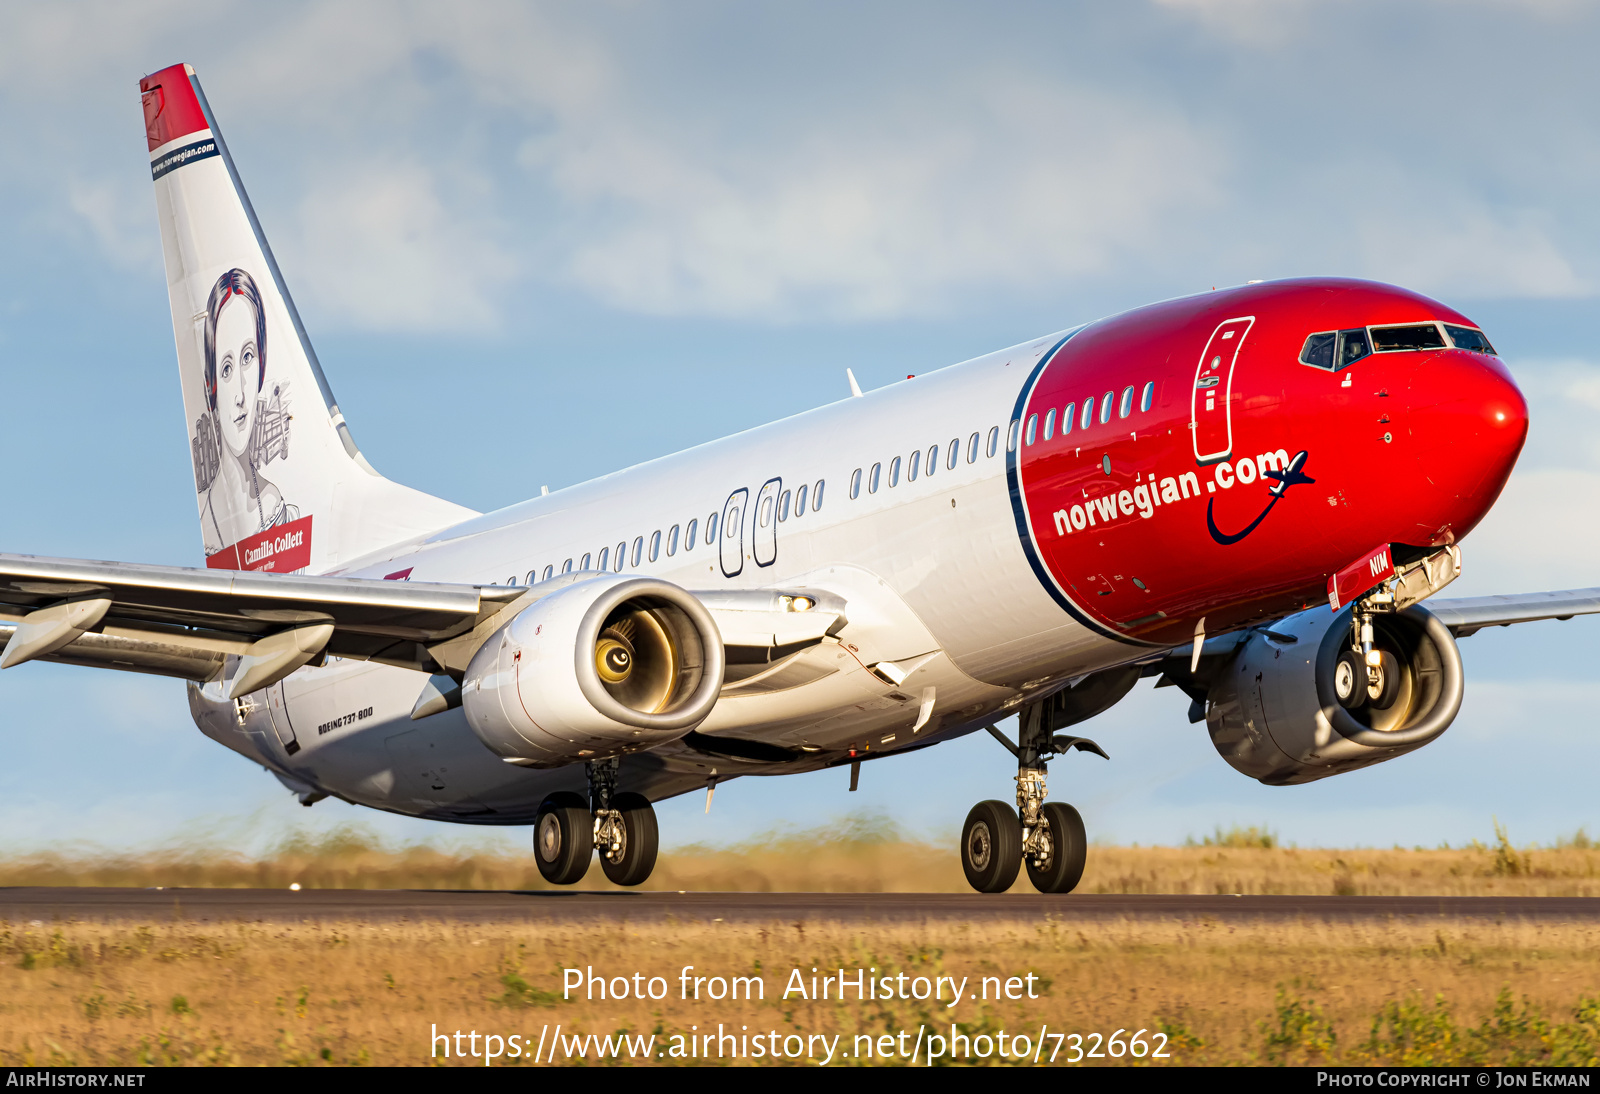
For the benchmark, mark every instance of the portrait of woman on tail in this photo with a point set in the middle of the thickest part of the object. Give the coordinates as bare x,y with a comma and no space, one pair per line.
246,425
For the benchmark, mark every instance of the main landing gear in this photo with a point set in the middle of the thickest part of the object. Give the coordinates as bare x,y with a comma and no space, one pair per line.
622,827
1047,836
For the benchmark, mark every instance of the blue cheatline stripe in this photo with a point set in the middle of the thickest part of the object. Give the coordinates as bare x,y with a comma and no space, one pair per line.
202,149
1018,509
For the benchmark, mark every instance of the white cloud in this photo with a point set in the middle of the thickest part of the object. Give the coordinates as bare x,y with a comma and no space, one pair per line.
1462,246
853,181
122,232
381,249
1539,535
993,182
1256,23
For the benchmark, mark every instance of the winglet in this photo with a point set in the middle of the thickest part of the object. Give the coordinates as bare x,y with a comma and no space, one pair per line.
855,388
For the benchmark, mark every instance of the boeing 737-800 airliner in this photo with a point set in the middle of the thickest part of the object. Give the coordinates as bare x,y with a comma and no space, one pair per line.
1247,493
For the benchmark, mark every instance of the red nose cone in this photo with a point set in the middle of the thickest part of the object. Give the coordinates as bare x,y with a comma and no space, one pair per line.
1468,421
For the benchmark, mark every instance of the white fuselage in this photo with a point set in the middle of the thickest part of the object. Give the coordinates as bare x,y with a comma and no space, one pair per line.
932,571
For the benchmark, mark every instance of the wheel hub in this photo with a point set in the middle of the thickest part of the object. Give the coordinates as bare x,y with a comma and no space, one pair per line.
979,846
549,838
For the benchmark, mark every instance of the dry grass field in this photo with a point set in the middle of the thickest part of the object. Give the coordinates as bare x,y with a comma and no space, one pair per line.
855,855
1405,991
1432,992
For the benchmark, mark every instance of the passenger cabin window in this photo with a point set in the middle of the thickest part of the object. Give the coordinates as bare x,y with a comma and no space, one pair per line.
914,466
549,572
638,549
1107,401
1011,436
711,529
855,484
584,565
872,478
1125,407
605,559
894,471
1413,336
1087,419
816,495
783,506
1147,397
972,449
655,545
933,458
1066,418
955,453
672,541
1033,429
1050,424
1467,338
767,507
533,575
566,567
622,557
688,535
994,435
800,500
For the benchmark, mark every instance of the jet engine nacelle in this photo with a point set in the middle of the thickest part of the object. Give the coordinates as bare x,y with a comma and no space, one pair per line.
597,669
1274,712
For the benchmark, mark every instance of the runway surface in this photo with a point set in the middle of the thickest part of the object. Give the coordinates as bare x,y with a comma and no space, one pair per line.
25,905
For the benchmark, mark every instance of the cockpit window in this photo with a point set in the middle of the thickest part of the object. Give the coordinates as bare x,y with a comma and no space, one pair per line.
1352,346
1467,338
1413,336
1318,351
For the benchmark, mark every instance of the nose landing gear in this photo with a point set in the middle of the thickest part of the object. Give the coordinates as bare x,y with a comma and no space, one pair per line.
1366,675
1048,836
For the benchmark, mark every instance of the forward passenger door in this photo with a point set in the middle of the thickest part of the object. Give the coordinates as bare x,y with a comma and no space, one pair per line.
1211,399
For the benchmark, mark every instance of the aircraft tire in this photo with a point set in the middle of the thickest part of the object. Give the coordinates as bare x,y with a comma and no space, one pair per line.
563,839
1068,847
640,840
1349,680
1389,682
991,847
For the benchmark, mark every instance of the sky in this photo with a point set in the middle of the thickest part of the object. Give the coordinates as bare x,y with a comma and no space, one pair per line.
537,242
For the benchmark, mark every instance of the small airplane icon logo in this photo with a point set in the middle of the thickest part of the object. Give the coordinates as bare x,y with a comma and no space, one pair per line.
1293,475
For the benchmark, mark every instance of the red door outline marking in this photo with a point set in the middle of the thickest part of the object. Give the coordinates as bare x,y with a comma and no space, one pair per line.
1211,398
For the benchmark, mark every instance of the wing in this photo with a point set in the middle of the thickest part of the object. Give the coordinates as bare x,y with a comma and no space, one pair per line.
252,629
1470,614
174,621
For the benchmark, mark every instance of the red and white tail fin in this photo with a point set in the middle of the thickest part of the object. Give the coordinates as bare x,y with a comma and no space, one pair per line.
281,485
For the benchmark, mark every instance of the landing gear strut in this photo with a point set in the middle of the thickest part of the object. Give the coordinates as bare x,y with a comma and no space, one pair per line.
1048,836
625,831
